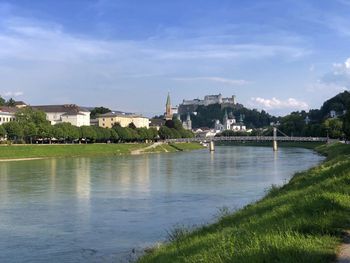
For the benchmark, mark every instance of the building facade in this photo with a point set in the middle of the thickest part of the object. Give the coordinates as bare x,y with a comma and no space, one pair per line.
230,123
187,124
7,114
69,113
107,120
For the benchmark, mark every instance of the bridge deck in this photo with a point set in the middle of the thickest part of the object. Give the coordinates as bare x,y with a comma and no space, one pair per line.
252,139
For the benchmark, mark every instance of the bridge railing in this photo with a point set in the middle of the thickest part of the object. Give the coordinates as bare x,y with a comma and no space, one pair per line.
251,138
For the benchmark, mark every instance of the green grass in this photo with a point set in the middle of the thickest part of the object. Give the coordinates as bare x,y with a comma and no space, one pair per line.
175,147
299,222
186,146
38,151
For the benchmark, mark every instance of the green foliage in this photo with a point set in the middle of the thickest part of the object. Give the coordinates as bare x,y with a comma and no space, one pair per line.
165,133
98,110
2,101
30,131
334,128
346,124
14,130
29,115
206,116
299,222
88,133
11,102
132,126
2,131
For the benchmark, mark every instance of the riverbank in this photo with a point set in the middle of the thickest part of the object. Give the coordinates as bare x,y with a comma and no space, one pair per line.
30,152
303,221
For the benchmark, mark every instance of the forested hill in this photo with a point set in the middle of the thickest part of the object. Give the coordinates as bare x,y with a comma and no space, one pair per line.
206,116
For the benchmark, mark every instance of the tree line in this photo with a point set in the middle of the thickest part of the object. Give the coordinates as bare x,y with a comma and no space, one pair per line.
30,126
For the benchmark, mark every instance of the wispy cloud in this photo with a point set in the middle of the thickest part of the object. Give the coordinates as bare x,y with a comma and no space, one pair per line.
274,103
12,94
226,81
339,77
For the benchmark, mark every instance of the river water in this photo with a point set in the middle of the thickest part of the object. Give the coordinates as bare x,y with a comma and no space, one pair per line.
100,209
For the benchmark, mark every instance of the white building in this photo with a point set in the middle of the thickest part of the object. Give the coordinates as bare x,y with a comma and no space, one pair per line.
229,123
187,124
7,114
69,113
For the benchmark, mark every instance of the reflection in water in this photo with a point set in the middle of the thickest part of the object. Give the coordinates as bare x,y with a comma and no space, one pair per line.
92,209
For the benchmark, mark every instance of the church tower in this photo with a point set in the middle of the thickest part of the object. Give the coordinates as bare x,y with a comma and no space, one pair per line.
168,110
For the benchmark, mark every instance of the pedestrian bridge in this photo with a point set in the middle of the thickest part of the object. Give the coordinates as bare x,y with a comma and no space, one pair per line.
251,139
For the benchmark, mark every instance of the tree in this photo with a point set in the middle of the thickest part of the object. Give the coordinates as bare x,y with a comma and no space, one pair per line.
88,133
14,130
114,135
334,128
165,133
11,102
30,115
132,125
30,131
2,131
98,110
2,101
346,125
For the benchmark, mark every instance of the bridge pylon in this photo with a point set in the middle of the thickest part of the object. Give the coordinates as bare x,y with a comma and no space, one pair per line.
275,147
211,146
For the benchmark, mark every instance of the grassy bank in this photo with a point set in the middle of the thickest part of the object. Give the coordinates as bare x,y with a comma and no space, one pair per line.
73,150
69,150
175,147
299,222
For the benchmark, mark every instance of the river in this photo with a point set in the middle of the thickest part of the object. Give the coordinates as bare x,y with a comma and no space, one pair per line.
99,209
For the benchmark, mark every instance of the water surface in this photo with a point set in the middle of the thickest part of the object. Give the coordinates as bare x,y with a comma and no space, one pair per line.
98,209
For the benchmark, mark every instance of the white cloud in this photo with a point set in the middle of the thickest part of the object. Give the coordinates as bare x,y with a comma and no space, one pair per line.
12,93
339,77
274,103
227,81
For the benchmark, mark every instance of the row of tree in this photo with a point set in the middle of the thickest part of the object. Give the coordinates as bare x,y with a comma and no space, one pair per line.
10,102
30,126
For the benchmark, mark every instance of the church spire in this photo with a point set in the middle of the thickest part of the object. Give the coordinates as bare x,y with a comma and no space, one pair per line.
168,109
168,102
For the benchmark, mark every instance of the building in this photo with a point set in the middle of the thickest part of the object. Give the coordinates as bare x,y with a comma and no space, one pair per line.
7,114
205,133
192,105
156,123
69,113
168,115
107,120
230,123
187,124
20,104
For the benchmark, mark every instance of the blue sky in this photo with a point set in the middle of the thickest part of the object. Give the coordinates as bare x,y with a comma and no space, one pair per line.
280,55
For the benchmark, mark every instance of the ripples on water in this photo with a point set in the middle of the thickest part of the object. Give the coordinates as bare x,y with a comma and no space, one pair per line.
99,209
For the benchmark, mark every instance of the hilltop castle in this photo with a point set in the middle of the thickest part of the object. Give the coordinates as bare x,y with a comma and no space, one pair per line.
192,105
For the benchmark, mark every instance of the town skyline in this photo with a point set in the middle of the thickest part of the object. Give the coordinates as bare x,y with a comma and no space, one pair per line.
127,56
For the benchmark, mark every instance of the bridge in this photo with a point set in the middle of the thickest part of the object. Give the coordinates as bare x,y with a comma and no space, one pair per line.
251,139
274,139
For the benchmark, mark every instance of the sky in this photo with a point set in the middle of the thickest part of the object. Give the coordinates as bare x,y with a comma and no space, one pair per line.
280,55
